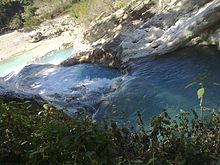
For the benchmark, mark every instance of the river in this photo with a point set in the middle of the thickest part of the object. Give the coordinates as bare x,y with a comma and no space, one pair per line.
150,86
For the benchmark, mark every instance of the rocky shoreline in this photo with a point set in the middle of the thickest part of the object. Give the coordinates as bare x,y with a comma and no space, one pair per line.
51,35
144,29
141,29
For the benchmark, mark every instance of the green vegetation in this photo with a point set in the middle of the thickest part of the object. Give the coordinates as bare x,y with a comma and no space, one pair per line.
15,14
87,10
90,9
43,135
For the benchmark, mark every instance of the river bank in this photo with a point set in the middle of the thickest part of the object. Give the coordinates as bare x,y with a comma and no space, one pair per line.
57,34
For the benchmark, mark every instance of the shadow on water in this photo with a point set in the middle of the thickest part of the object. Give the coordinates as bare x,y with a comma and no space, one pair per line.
156,84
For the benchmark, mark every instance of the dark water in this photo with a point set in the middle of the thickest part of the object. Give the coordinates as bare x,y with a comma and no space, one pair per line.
161,83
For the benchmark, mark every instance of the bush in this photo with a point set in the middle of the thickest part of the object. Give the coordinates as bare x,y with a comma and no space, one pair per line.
29,11
31,23
87,10
31,135
15,23
48,136
10,13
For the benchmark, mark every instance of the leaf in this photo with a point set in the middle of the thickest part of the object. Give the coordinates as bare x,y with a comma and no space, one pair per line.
200,93
166,122
90,153
194,113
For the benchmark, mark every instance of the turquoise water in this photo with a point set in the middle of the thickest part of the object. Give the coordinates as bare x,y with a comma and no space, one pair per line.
14,63
159,84
150,86
55,57
17,63
69,88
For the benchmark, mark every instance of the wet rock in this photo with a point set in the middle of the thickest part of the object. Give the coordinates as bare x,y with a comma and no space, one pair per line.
81,89
8,95
100,56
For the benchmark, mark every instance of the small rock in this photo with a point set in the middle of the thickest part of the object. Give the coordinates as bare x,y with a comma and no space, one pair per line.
37,37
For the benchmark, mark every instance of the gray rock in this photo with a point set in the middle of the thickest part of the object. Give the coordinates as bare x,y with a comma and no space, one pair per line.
8,94
37,37
152,28
187,27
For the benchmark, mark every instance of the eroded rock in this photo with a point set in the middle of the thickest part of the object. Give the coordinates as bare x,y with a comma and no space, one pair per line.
163,26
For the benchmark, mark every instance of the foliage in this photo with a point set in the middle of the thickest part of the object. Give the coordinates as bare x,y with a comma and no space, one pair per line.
11,11
88,10
15,14
15,22
31,23
44,135
29,11
47,136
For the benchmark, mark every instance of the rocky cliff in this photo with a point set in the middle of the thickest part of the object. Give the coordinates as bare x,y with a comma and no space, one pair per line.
144,29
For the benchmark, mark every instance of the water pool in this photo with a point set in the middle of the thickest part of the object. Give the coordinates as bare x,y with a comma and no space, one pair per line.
159,84
150,86
17,63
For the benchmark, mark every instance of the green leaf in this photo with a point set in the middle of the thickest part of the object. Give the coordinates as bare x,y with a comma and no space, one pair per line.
67,140
200,93
167,122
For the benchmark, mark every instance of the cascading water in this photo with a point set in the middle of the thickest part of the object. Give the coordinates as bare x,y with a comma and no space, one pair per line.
150,86
65,87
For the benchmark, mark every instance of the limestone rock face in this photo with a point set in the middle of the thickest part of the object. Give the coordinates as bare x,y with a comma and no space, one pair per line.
146,28
53,28
186,25
103,27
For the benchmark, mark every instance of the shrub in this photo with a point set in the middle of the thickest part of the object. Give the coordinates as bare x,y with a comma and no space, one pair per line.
31,23
29,11
10,12
31,135
87,10
16,22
